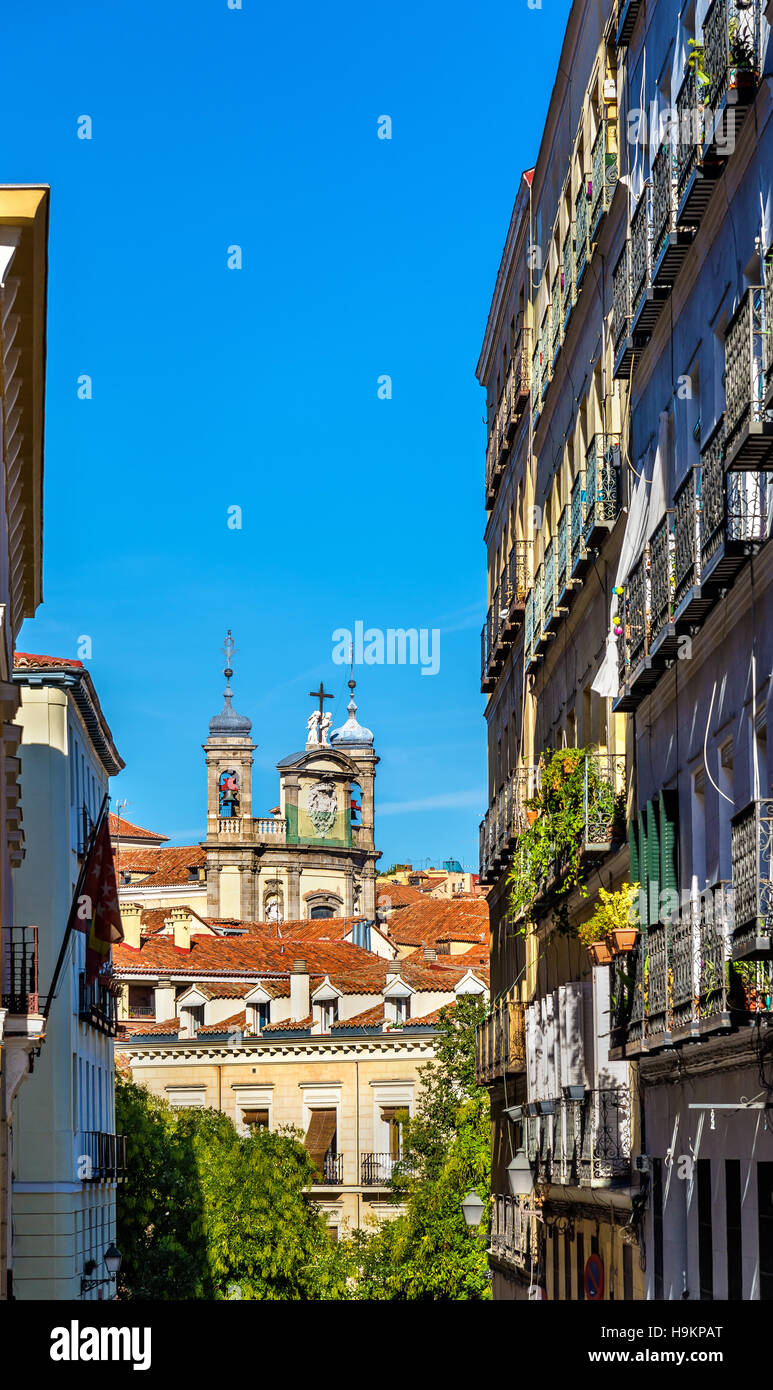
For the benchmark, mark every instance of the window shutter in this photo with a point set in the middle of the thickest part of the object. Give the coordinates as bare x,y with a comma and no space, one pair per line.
653,864
641,836
256,1117
320,1135
669,844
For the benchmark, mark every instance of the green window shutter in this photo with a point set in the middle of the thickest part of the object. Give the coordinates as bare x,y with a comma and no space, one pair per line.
668,806
633,851
653,862
643,875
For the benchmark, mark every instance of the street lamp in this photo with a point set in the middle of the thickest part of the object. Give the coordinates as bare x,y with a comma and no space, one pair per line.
473,1209
519,1175
112,1258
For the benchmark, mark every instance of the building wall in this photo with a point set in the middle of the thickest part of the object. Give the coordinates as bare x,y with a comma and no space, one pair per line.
356,1077
71,1089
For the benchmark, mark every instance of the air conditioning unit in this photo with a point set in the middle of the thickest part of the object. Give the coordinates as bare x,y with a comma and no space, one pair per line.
642,1163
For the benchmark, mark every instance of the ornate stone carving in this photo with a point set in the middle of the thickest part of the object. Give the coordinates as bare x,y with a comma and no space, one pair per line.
322,806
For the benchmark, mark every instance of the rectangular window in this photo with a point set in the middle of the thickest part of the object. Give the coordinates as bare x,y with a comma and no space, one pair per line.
320,1140
657,1226
765,1228
733,1228
256,1119
705,1240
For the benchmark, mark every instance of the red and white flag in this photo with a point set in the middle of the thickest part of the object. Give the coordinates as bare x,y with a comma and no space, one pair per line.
95,909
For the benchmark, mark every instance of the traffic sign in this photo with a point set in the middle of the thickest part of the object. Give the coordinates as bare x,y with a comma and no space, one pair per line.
594,1278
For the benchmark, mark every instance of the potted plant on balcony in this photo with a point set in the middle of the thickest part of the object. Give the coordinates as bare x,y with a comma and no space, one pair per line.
742,70
755,984
614,923
593,935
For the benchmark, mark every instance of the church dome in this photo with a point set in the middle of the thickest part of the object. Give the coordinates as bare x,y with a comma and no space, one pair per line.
228,721
352,733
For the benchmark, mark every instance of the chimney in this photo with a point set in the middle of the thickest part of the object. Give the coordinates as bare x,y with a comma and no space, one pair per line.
300,1004
394,970
131,921
180,921
430,953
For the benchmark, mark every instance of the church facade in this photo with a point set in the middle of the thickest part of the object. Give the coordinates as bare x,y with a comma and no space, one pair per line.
314,856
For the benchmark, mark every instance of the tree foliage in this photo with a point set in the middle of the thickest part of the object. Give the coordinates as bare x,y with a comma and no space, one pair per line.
207,1213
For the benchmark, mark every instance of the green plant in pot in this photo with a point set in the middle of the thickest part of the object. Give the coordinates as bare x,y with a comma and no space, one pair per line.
742,66
615,921
593,935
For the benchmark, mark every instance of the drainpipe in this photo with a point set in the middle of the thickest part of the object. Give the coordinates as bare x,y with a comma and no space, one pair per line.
358,1173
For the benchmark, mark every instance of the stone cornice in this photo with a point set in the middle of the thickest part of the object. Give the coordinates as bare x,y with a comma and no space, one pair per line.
385,1047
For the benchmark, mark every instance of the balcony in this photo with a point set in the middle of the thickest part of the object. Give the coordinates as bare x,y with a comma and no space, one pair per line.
670,242
549,615
533,623
556,322
663,638
733,515
378,1170
563,582
536,380
583,1143
678,984
500,1043
749,422
647,299
604,786
20,971
568,286
578,555
102,1157
509,1229
331,1173
546,358
627,14
692,600
622,338
730,61
581,231
696,173
751,831
602,489
505,614
521,369
603,172
98,1006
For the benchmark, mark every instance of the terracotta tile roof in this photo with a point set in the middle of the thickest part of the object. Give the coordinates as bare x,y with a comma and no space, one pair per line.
171,864
153,920
390,895
370,1018
426,1019
118,826
132,1028
136,860
26,661
426,922
288,1025
242,955
226,1025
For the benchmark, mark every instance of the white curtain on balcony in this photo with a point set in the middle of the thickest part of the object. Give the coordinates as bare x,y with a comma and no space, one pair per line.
678,64
659,485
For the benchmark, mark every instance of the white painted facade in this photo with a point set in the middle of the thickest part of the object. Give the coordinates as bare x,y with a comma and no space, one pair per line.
62,1222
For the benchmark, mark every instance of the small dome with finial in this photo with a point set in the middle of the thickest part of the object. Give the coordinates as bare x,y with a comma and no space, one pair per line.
228,721
352,733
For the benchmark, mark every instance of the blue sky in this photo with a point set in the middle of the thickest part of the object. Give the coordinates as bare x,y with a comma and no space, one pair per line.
257,388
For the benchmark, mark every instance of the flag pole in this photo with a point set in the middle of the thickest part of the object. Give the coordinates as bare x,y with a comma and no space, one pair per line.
76,895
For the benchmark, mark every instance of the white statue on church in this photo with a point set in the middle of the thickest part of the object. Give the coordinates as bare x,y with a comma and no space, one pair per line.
324,725
312,727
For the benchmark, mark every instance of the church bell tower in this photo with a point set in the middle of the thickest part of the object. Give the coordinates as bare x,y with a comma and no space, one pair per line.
228,752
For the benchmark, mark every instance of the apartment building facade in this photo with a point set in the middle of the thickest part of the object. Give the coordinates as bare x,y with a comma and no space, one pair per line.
68,1159
23,293
641,437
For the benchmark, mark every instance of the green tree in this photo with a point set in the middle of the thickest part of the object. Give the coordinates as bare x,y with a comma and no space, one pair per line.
427,1252
207,1213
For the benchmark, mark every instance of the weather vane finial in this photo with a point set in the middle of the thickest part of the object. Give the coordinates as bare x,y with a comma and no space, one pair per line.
228,650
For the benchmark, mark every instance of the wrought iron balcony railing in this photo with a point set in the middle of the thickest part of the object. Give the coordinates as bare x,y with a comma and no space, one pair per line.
604,786
751,854
730,52
604,171
546,356
577,551
549,605
102,1157
621,299
536,379
556,322
500,1043
748,421
583,1143
602,488
378,1170
581,230
641,248
331,1173
687,538
521,370
562,554
689,115
509,1229
663,581
98,1006
568,287
670,241
20,970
